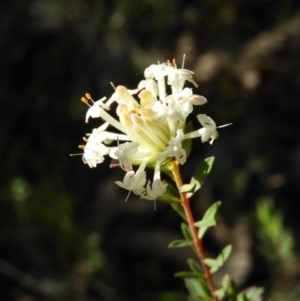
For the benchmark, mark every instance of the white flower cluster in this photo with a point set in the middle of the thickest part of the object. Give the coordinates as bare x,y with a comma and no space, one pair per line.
150,127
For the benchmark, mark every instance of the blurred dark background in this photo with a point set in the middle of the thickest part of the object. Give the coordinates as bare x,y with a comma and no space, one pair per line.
66,232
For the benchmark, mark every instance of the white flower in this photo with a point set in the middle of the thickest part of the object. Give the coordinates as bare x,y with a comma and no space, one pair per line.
94,111
187,99
208,132
150,85
174,149
94,151
164,110
158,187
177,78
123,153
134,182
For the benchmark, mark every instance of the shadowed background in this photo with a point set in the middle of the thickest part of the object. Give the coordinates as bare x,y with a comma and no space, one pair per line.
66,232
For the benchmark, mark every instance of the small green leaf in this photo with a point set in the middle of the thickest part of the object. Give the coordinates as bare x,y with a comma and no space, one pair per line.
168,199
194,266
253,293
232,291
225,253
211,211
225,282
188,274
179,209
220,293
212,263
203,225
180,244
208,219
186,232
198,289
201,174
217,263
171,195
187,188
242,297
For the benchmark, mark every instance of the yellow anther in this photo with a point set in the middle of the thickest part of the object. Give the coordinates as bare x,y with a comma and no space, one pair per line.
84,139
88,96
81,146
83,99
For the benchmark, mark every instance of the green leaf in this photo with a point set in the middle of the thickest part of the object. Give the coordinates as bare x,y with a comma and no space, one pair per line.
168,199
201,174
171,195
180,244
253,293
211,211
194,266
217,263
208,219
220,293
212,263
186,232
179,209
242,297
188,274
232,291
187,144
225,253
187,188
198,289
225,283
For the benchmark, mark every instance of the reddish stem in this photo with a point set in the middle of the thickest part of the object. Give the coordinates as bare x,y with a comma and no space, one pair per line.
185,202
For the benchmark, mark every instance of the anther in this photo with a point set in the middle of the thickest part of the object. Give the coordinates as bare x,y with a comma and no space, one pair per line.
81,146
88,96
84,139
83,99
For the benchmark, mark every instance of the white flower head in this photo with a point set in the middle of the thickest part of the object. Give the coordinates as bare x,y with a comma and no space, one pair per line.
151,121
123,152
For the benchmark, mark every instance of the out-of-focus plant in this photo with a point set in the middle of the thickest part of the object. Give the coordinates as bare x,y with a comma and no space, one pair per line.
278,247
151,130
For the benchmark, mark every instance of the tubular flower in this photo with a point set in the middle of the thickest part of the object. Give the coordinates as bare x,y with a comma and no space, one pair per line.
149,127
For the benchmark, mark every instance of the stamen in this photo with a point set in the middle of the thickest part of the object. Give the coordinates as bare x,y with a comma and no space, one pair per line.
183,60
221,126
112,84
174,63
81,146
84,139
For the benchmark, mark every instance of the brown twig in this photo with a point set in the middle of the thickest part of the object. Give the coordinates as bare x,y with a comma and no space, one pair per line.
185,202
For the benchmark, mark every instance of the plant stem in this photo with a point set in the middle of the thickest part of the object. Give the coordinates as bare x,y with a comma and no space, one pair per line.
185,202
